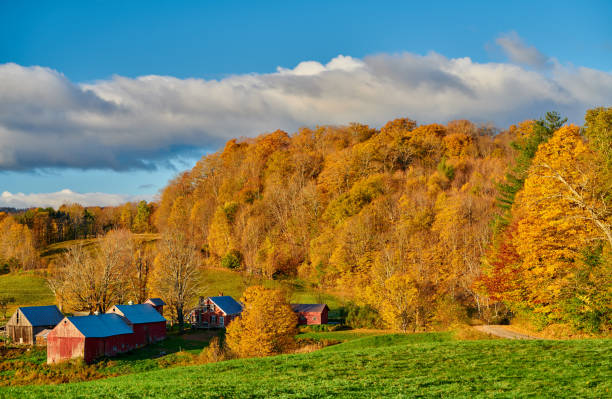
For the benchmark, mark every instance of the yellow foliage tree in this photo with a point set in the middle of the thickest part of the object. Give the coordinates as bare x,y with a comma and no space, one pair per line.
561,212
17,244
267,326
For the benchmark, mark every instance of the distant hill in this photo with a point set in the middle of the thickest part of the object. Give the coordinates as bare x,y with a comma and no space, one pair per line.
13,210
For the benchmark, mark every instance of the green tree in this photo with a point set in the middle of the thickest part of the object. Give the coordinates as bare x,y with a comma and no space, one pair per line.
141,222
538,132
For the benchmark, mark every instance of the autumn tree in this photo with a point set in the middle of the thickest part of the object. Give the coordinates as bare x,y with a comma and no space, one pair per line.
563,211
177,272
143,257
94,280
17,245
266,327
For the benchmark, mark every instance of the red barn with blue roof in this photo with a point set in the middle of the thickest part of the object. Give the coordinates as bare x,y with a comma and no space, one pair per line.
89,337
148,324
215,312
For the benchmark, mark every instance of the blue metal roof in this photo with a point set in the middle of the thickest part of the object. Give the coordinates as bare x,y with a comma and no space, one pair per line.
42,315
227,304
138,314
102,325
156,301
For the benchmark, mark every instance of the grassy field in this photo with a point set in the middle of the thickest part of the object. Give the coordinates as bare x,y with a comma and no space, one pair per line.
28,288
398,365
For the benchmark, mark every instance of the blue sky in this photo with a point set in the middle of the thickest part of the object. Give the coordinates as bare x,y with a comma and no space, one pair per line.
87,121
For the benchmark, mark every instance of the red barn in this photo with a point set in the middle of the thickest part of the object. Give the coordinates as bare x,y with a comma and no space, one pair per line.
148,325
157,303
311,313
215,312
89,337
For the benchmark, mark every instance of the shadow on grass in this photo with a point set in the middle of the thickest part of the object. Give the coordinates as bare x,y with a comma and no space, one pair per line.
189,341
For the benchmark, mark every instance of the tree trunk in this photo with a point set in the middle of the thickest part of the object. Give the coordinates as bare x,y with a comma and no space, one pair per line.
179,317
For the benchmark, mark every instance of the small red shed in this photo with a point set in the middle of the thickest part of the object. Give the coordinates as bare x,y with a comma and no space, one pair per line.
215,312
157,303
89,337
148,325
311,313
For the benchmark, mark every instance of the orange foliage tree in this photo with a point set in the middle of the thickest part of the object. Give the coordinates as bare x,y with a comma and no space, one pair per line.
266,327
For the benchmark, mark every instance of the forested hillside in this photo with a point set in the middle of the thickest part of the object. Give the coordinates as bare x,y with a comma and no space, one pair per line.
419,222
397,218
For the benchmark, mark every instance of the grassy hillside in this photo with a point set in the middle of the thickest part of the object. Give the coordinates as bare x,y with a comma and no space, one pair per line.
28,288
54,251
425,365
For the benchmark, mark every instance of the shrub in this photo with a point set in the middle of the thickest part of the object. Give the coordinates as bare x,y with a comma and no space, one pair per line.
232,260
215,352
361,316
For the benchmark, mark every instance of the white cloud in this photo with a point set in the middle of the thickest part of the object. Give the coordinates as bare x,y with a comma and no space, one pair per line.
66,196
520,53
122,123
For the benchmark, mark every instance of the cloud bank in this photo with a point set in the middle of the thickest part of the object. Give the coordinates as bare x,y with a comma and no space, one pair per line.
47,121
520,53
66,196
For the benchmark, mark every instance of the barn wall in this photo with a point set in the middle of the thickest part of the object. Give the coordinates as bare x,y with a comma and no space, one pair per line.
156,331
311,318
206,317
19,329
64,342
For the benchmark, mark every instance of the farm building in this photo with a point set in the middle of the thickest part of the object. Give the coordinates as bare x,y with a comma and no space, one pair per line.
41,337
89,337
148,325
311,313
157,303
215,312
27,321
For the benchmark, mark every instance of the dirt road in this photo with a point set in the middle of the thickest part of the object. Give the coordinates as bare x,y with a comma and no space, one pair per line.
503,332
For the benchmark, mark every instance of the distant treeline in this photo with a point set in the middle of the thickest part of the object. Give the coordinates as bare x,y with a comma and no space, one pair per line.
22,233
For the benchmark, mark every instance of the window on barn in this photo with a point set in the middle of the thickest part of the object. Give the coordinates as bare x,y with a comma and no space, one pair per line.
213,319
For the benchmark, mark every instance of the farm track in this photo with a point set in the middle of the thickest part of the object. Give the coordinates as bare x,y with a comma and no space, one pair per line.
503,332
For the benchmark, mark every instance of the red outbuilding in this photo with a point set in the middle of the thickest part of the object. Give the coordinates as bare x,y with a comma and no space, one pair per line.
89,337
311,313
148,325
157,303
215,312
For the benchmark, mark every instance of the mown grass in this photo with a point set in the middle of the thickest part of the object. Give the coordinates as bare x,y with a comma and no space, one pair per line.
28,289
395,366
342,335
